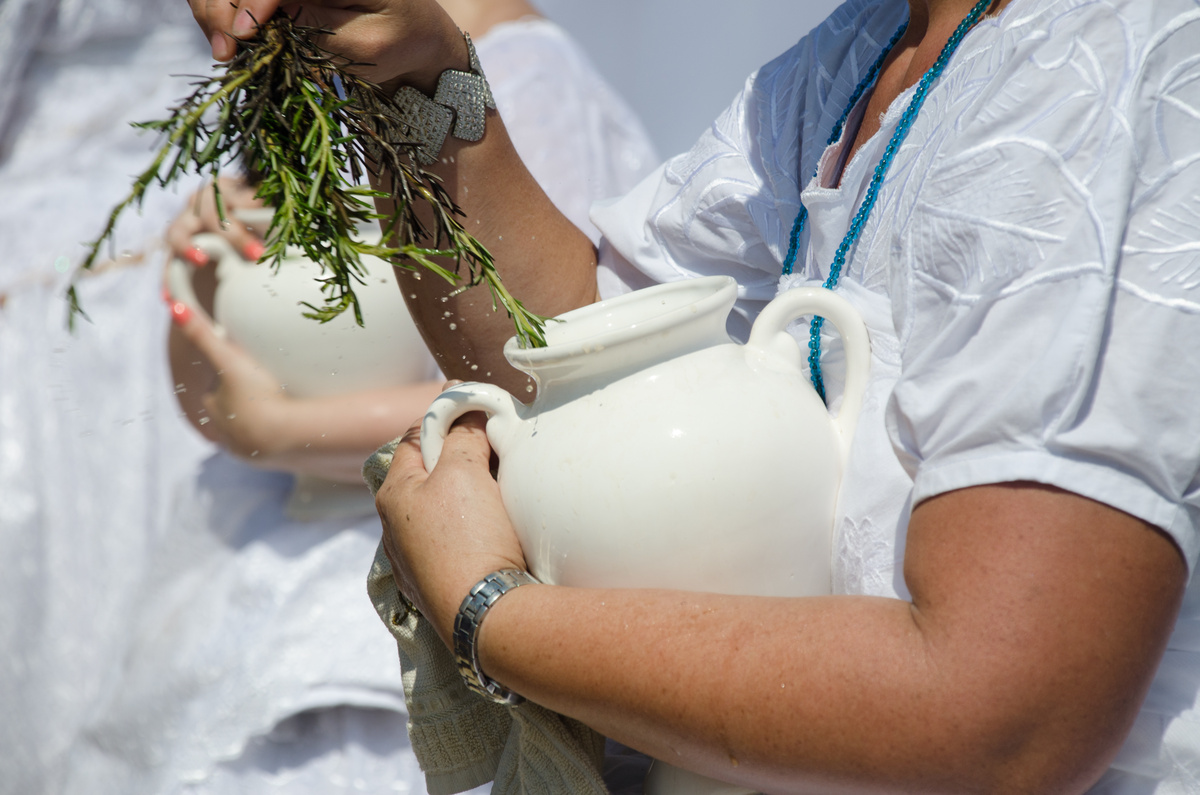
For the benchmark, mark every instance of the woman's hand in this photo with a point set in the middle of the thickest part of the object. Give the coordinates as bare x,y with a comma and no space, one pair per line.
246,411
201,216
237,403
444,531
388,39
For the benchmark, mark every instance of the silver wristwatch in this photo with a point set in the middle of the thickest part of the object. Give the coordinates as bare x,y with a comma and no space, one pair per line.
462,101
466,631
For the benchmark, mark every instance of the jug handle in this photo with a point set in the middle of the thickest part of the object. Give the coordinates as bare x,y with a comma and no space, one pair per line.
502,409
770,334
179,273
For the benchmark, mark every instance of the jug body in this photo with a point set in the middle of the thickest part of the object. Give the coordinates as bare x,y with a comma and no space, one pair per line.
661,480
660,454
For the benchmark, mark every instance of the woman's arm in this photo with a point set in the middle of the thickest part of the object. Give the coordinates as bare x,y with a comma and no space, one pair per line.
234,401
1037,621
545,261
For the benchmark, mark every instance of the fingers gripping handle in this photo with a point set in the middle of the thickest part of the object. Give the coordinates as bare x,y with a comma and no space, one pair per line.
770,333
179,273
502,409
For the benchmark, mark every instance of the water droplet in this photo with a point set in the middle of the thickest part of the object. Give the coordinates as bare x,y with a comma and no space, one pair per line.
447,314
453,326
529,388
444,299
474,366
204,420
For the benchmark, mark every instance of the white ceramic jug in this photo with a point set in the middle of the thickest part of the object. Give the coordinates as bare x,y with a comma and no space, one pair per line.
260,309
660,454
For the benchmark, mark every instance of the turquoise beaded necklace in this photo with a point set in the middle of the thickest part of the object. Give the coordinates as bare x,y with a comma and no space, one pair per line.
881,169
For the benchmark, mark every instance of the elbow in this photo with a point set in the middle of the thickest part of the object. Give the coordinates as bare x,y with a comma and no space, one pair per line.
1047,754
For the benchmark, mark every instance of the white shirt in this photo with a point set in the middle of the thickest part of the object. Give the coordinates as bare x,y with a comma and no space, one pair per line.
1028,275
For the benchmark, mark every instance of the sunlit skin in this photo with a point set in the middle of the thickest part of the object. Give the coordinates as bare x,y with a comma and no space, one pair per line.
1037,616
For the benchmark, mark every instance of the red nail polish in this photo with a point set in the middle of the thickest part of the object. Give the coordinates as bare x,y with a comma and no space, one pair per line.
181,312
197,256
166,294
253,250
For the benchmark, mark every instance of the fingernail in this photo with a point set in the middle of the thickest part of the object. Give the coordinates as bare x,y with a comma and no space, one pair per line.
181,312
220,46
197,256
243,24
253,250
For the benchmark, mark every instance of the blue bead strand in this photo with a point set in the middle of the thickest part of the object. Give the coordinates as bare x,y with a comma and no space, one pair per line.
864,211
868,80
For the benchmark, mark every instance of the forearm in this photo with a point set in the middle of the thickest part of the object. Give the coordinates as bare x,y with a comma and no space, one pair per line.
330,437
1019,666
777,695
544,260
1037,620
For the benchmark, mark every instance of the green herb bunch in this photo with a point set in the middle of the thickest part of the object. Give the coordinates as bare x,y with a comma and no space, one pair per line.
308,132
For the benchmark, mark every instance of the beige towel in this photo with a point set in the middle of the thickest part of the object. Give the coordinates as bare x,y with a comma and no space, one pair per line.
461,739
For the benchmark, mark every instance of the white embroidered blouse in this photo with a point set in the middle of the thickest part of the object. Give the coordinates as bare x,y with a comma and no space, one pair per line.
1029,276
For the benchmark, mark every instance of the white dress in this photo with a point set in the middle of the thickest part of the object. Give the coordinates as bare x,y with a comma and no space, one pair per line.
1029,277
165,627
91,444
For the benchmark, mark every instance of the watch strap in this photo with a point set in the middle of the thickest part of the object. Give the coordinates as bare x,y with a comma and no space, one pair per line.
466,631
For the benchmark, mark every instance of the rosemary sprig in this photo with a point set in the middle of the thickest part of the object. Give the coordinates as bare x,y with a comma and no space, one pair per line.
308,132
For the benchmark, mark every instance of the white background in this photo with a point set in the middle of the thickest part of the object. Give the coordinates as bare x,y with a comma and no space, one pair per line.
680,62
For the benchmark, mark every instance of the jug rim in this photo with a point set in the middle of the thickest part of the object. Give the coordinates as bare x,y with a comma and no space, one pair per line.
710,293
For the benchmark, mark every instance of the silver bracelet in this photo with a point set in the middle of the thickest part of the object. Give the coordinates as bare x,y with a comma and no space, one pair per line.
466,631
462,101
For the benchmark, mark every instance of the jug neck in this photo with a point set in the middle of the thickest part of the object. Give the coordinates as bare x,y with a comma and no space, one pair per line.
596,345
